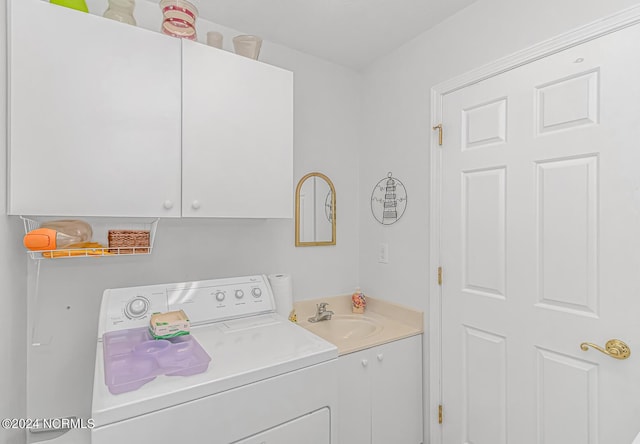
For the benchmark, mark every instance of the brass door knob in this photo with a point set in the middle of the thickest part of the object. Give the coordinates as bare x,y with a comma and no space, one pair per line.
614,348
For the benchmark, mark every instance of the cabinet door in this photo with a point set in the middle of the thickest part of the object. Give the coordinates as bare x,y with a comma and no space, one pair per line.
237,158
94,112
397,392
354,398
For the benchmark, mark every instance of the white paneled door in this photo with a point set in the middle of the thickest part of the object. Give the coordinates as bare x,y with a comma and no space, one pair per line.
540,246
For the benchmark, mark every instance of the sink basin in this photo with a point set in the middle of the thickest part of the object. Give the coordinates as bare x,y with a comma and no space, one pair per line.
345,327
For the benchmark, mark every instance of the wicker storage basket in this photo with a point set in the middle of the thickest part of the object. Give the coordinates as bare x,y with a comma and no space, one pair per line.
122,241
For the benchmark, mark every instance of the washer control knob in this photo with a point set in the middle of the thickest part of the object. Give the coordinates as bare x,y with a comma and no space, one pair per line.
256,292
239,294
136,307
219,296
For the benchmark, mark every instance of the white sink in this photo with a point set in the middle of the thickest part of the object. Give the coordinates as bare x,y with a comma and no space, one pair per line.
345,327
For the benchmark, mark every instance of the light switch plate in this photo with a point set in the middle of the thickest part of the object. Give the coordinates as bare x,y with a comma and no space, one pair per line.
383,253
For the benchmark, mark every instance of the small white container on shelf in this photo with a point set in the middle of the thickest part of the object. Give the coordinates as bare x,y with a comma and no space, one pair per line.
214,38
247,45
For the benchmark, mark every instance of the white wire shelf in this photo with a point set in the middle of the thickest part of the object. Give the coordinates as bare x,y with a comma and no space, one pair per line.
100,235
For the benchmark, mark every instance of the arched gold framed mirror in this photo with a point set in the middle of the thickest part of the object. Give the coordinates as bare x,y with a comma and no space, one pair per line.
315,211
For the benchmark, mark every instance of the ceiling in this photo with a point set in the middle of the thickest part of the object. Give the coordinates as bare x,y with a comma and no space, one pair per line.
352,33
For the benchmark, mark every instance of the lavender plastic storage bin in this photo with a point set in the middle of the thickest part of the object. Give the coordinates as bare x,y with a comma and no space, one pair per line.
132,358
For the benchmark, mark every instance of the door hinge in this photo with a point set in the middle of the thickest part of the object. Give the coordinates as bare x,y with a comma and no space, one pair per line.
439,275
440,414
439,128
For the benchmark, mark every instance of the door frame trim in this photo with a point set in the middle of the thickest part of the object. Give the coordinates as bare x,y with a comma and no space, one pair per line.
607,25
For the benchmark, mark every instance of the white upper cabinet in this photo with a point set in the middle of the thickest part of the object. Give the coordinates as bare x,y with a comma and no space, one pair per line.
237,136
108,119
94,115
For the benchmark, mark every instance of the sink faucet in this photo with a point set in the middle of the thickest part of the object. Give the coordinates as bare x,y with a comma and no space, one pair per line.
322,314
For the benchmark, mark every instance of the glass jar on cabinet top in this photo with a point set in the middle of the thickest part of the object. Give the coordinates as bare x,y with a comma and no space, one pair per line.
179,19
121,10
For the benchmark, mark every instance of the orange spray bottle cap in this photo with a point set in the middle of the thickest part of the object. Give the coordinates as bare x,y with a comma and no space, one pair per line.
40,239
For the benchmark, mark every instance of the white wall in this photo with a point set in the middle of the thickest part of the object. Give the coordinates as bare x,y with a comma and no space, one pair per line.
394,114
327,112
397,123
13,273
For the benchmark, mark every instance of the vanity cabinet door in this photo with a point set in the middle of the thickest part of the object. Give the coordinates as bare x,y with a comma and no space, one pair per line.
94,115
380,396
237,139
396,414
354,398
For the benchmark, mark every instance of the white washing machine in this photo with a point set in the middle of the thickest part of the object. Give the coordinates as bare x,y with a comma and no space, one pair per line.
269,381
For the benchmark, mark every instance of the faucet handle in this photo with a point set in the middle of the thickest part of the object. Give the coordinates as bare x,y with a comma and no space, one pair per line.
322,306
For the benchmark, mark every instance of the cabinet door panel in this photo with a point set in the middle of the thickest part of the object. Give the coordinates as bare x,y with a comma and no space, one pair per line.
94,115
354,398
397,392
237,136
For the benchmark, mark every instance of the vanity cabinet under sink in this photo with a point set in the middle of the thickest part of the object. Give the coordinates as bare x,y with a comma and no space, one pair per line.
380,394
108,119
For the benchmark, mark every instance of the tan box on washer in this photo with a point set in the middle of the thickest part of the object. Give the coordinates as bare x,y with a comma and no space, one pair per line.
169,324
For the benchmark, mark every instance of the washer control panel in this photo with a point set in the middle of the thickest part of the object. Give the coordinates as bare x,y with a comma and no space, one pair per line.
203,301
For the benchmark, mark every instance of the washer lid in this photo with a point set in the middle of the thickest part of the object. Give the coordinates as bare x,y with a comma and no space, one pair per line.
243,351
